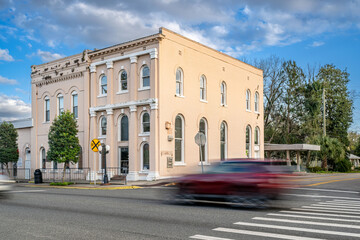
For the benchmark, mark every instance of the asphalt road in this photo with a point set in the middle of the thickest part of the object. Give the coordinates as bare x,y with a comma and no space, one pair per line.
320,207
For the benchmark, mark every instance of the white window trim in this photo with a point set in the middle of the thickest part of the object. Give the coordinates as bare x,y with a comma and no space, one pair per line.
248,94
72,102
58,103
204,101
226,140
142,133
224,92
100,88
179,96
127,81
122,92
182,162
41,158
203,78
100,128
181,89
257,103
46,98
250,141
142,158
205,160
119,124
142,88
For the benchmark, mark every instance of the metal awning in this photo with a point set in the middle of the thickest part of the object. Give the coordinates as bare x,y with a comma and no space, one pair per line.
353,157
291,147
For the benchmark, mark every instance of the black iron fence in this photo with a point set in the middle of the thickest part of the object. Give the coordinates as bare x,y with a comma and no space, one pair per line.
17,173
68,175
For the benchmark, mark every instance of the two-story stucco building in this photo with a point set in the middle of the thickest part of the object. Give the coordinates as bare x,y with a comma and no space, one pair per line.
147,99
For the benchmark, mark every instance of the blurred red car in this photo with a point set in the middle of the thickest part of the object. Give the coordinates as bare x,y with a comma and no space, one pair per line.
249,183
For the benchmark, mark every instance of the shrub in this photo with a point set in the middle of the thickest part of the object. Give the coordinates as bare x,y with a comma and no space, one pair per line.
61,183
342,166
315,169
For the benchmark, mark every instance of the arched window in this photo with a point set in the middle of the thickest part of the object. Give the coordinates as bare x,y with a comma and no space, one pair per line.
124,128
103,85
256,102
145,157
257,142
223,93
145,122
248,141
145,77
223,141
103,125
123,81
60,98
179,82
179,139
203,88
203,129
47,109
248,100
43,158
74,103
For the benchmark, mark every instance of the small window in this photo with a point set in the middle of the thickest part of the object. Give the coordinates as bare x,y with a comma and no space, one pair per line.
223,141
123,81
248,100
75,104
124,128
179,82
223,93
43,158
55,165
47,109
145,157
145,74
257,136
145,122
103,125
203,149
179,139
256,102
248,141
103,85
203,88
60,104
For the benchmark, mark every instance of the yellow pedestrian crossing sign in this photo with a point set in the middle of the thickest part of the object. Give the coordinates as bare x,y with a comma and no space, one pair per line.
95,144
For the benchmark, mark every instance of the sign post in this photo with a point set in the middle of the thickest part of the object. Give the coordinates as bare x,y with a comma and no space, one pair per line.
95,144
200,139
104,149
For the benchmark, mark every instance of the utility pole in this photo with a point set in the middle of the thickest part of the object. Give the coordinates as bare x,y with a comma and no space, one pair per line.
324,108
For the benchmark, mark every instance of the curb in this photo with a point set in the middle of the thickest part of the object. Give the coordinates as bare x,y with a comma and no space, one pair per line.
88,188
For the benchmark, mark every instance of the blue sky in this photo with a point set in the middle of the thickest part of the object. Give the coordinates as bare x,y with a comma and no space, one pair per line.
307,31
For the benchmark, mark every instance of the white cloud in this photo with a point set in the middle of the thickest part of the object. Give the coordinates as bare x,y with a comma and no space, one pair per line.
22,91
4,80
4,55
12,108
47,56
317,44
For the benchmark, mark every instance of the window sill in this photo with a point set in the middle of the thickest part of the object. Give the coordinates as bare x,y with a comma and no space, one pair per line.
224,105
46,122
248,110
144,89
144,172
204,163
180,164
122,92
102,96
144,134
257,112
179,96
102,137
204,101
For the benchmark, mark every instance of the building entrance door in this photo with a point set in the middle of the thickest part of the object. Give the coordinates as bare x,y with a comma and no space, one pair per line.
27,163
124,160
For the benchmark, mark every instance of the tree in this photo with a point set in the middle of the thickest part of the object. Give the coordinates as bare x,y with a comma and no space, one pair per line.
64,144
8,144
331,151
357,148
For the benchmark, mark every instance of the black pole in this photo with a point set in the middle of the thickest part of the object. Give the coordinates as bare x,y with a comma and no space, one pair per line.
103,158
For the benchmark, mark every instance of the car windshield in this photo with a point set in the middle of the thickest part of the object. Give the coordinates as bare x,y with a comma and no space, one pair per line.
235,167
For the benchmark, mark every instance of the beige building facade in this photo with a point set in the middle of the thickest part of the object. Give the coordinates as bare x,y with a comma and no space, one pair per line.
147,99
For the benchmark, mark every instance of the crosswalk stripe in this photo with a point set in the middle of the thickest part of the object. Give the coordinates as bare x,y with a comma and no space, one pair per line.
319,196
322,210
204,237
325,190
347,201
307,222
335,206
310,230
263,234
312,217
320,213
331,208
339,204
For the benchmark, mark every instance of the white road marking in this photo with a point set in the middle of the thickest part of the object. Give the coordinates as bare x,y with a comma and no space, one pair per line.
307,222
203,237
325,190
312,217
25,191
328,211
263,234
320,196
345,207
330,208
299,229
345,201
339,204
322,214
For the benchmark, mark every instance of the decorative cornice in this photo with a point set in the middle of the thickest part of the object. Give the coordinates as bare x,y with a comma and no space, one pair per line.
92,113
133,108
133,59
48,80
154,54
110,64
154,105
109,111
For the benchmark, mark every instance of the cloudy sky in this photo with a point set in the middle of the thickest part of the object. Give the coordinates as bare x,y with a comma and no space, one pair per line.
307,31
